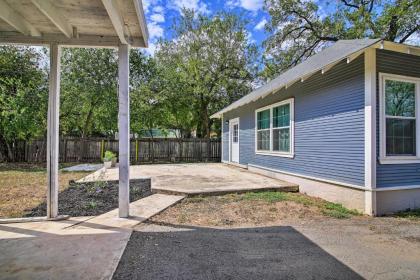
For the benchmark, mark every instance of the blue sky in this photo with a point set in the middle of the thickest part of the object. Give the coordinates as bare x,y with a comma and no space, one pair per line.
160,15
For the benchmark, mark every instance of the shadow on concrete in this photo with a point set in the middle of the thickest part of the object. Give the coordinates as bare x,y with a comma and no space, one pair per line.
173,252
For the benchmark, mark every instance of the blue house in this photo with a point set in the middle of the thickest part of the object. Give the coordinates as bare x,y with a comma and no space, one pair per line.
343,125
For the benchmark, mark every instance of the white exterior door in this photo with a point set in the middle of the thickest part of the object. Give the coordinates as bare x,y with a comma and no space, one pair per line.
234,140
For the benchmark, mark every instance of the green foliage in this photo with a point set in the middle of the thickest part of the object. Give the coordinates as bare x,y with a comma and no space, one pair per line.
410,214
269,196
210,65
331,209
23,96
338,211
89,104
149,105
298,29
109,156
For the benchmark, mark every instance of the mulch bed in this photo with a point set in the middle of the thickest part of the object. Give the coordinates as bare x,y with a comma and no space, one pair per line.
93,198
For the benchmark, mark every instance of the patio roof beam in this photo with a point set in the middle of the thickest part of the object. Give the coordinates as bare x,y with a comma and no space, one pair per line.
48,9
116,19
16,20
88,41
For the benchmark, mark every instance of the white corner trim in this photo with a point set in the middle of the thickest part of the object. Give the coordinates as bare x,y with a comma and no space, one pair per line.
370,118
235,164
291,153
352,186
383,158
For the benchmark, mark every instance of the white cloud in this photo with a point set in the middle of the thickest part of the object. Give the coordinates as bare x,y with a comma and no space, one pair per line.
157,18
250,39
261,24
151,49
147,4
196,5
158,9
155,30
250,5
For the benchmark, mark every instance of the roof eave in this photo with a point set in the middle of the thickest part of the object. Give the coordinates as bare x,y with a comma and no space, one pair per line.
268,88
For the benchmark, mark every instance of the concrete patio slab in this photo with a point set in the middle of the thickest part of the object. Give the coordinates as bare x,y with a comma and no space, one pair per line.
198,178
78,248
83,167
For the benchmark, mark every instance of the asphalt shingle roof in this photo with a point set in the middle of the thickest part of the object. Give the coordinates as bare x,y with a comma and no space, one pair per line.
337,52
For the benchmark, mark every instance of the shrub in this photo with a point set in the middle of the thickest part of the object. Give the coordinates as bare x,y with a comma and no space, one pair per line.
109,156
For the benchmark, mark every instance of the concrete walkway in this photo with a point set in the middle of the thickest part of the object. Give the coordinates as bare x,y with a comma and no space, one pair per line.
78,248
197,178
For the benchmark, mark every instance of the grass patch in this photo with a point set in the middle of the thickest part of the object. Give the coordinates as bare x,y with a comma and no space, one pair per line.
266,196
330,209
338,211
23,186
410,214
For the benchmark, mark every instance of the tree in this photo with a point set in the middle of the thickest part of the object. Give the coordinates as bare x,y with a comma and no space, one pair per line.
210,64
147,102
23,96
298,28
89,99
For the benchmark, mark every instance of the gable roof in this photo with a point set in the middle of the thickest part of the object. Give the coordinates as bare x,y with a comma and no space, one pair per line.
321,61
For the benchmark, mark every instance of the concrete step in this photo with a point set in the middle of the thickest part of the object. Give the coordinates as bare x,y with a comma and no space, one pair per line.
140,211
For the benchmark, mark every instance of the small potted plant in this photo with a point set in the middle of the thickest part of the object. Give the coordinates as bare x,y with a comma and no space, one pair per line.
110,159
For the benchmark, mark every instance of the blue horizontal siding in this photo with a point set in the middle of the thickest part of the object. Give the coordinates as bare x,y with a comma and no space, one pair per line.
393,175
329,126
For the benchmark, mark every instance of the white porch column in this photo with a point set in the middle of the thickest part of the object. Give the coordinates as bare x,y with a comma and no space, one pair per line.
370,131
123,131
52,131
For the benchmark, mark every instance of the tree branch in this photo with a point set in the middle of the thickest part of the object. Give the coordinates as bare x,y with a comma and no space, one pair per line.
411,32
348,4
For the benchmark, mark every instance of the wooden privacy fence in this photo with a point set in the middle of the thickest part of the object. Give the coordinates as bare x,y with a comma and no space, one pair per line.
143,150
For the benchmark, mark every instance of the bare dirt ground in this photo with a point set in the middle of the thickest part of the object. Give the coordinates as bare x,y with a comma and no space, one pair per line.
24,186
270,236
252,209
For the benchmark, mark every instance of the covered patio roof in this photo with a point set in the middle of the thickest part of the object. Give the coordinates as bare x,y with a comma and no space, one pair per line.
73,22
79,23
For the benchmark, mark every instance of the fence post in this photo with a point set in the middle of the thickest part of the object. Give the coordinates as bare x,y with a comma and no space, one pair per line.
65,150
137,150
102,149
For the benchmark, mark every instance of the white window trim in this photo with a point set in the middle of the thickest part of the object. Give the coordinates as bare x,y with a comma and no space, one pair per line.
270,152
383,158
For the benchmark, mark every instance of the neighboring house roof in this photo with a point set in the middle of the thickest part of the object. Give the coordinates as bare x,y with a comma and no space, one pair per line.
322,61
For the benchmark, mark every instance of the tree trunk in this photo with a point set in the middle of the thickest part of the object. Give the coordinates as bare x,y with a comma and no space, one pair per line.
10,155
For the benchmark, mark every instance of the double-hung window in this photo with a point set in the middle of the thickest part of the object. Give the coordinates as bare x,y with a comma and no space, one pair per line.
274,129
399,119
